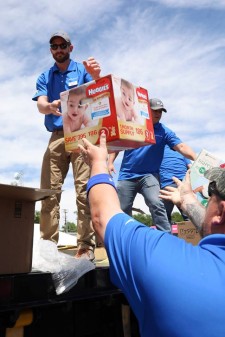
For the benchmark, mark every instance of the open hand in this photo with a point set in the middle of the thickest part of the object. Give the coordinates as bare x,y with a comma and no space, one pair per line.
181,194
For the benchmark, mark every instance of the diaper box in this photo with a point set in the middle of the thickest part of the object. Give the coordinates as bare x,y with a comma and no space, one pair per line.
111,104
204,162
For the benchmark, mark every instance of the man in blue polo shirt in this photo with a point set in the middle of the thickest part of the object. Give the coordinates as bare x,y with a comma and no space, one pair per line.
65,74
173,165
139,171
173,287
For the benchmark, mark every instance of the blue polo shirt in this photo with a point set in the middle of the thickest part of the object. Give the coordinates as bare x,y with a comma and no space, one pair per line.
53,81
147,159
173,165
173,287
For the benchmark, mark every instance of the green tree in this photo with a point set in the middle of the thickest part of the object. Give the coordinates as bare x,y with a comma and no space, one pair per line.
143,218
37,217
176,217
147,219
70,227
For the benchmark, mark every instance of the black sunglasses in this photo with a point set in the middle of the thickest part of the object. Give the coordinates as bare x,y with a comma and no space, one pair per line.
212,189
55,46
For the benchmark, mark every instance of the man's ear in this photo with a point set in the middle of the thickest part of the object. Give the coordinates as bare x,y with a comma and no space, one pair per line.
221,217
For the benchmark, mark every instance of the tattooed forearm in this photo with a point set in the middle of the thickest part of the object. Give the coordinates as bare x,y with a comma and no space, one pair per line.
196,214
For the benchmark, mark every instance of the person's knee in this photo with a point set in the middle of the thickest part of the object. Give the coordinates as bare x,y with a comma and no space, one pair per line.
157,203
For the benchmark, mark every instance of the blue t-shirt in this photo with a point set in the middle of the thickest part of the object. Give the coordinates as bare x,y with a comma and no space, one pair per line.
173,287
173,165
53,81
147,159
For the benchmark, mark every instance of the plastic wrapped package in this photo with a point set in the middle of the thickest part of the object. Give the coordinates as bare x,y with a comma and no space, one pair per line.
65,269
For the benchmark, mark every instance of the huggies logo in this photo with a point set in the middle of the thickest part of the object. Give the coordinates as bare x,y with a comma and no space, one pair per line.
141,93
101,87
92,92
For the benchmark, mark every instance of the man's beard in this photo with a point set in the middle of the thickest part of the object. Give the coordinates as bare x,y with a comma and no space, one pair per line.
61,58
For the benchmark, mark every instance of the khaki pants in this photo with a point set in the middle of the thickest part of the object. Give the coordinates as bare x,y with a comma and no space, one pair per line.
55,166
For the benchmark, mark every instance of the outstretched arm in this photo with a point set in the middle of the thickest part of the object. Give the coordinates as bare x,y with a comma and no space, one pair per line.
103,199
185,150
183,197
47,108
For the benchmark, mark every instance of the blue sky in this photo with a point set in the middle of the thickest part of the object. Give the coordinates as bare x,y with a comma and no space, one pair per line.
174,48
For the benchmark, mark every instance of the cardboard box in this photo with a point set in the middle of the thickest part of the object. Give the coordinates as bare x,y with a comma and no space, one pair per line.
17,207
100,105
187,231
199,183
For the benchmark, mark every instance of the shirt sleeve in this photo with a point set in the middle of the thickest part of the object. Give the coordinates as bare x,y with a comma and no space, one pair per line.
41,87
87,77
83,75
171,138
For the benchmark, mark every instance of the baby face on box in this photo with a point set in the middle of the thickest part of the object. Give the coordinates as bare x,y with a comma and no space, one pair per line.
76,115
127,104
127,96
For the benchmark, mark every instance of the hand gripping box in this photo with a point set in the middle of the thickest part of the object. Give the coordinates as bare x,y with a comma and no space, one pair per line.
111,104
17,206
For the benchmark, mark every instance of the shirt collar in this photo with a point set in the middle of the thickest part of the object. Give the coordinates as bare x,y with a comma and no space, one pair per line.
156,125
56,69
215,240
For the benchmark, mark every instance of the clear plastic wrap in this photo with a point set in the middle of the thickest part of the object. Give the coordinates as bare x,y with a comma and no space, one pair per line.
65,269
